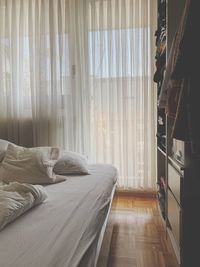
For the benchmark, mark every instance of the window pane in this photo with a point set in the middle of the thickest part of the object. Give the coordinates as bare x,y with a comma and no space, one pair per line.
117,53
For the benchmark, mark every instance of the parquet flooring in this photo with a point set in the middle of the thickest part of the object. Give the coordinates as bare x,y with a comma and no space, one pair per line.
135,235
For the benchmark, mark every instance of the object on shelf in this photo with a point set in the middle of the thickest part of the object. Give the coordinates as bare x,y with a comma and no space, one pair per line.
161,45
161,125
162,185
178,148
162,182
161,201
161,141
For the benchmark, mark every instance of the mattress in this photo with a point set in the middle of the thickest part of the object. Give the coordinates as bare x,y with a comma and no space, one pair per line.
63,231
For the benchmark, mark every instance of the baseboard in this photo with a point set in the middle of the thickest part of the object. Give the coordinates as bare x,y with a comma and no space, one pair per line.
135,193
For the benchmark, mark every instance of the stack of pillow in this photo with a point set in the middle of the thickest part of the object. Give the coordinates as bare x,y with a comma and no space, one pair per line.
39,165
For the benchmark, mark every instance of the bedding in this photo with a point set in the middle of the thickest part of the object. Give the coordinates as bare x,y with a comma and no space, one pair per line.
30,165
71,163
64,231
16,199
3,148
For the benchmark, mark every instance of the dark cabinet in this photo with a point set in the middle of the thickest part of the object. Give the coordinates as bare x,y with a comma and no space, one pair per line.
178,170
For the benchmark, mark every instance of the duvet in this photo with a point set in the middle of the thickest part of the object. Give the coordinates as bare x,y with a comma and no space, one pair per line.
16,199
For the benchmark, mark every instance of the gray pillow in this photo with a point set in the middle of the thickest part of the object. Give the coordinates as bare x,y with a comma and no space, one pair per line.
71,163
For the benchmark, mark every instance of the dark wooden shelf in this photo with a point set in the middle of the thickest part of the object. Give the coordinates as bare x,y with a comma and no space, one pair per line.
161,150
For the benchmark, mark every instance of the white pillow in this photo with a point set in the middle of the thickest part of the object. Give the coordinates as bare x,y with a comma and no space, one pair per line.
29,165
3,148
71,163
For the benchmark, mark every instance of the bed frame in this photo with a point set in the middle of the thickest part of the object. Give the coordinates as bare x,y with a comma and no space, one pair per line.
101,236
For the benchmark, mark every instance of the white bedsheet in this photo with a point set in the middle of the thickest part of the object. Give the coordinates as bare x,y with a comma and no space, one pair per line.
64,231
16,199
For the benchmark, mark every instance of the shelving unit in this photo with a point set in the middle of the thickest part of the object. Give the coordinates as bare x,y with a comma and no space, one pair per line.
161,118
178,170
170,172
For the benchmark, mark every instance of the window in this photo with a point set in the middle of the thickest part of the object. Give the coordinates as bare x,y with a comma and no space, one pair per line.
113,53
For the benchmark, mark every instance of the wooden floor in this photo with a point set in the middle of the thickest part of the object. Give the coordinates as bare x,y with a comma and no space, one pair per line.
135,235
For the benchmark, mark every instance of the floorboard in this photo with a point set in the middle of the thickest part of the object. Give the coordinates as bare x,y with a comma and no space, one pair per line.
135,235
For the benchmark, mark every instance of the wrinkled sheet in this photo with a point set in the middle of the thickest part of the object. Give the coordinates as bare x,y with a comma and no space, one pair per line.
64,231
16,199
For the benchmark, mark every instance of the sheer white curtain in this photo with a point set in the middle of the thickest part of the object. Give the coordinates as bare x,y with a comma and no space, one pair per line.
78,73
120,50
36,103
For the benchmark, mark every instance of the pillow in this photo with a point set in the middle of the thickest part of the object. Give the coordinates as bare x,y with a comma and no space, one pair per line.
3,148
29,165
71,163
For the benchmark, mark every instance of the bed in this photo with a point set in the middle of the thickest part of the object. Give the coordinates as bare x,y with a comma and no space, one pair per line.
67,229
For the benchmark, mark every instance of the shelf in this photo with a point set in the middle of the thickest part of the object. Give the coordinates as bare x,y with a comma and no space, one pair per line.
161,141
161,151
161,202
176,164
161,117
178,192
163,184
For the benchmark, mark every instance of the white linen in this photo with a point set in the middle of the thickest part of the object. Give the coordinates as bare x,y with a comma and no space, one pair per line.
64,231
71,163
16,199
3,148
30,165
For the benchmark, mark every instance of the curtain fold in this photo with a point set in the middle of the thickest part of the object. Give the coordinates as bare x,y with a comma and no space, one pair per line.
78,74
